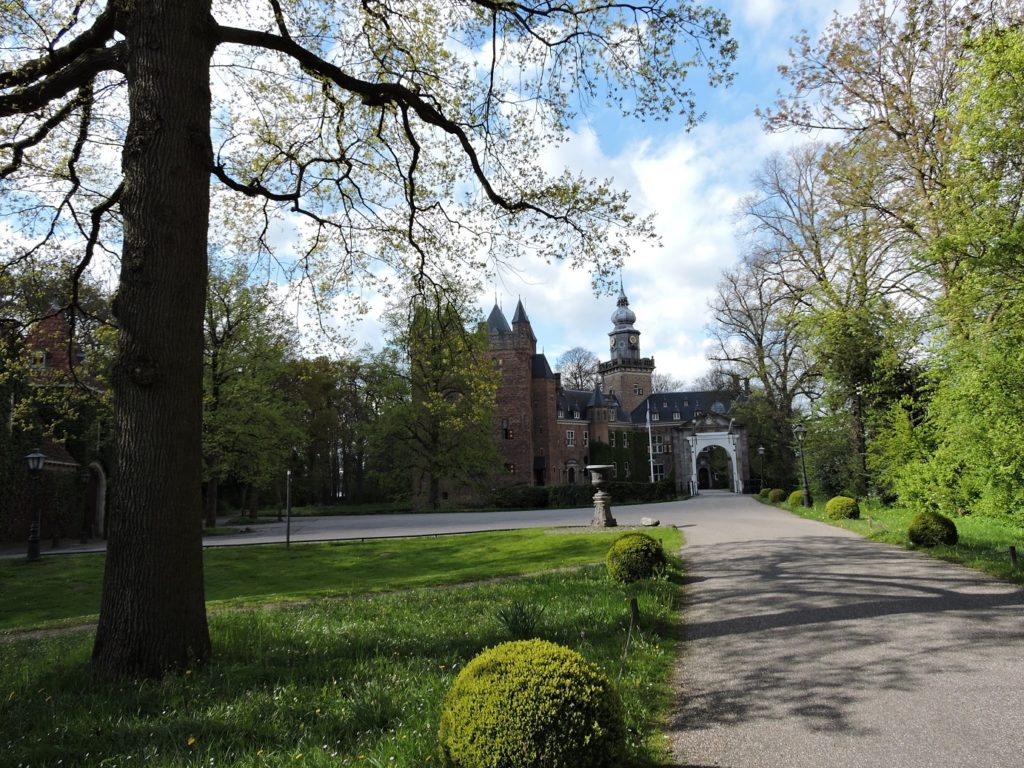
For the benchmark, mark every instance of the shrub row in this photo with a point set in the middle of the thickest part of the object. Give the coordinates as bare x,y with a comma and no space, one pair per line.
581,495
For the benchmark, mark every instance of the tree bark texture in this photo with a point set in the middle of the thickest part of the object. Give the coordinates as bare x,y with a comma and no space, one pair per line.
153,612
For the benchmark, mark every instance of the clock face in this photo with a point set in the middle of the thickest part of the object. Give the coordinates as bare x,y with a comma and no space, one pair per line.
632,339
611,343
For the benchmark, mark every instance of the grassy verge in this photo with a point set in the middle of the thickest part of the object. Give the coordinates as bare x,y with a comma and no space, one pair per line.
984,542
66,588
352,680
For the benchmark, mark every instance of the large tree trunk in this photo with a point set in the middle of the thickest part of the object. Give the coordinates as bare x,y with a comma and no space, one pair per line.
153,612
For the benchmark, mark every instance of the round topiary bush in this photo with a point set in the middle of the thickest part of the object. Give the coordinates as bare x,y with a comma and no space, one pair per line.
634,556
842,508
796,499
929,529
531,704
775,495
763,493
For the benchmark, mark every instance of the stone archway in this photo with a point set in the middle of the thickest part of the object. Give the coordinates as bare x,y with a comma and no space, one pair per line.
704,433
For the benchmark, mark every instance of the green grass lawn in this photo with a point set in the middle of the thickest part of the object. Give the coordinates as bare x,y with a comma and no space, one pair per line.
352,676
984,542
66,588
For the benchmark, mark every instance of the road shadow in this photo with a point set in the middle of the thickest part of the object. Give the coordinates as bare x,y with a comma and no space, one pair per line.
809,631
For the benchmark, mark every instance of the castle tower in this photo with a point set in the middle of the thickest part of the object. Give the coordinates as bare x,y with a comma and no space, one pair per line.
627,374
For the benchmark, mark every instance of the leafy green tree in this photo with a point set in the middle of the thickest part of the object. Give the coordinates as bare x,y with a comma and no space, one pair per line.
440,432
369,129
882,81
967,457
249,427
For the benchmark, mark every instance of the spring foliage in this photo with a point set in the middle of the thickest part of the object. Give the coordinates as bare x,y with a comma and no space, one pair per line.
635,556
929,529
531,704
842,508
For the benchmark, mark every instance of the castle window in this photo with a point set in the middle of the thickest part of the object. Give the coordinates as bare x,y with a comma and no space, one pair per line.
39,359
625,439
655,416
508,433
615,469
718,407
627,468
659,472
570,438
676,416
561,413
510,468
658,443
586,438
637,390
575,414
611,439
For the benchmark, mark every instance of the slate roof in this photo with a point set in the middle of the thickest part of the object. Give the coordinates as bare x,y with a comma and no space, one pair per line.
541,369
496,322
667,404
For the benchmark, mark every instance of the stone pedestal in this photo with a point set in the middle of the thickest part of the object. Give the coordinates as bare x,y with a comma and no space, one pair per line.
603,511
602,499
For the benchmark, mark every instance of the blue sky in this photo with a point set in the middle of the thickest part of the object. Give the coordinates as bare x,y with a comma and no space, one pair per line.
692,182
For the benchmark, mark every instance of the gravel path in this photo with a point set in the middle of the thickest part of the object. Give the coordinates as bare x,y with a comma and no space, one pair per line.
806,645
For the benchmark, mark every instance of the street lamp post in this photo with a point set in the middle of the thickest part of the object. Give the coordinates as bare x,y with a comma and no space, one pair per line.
35,462
288,509
760,452
801,432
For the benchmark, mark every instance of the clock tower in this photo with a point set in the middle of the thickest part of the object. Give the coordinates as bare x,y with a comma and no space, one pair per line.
626,374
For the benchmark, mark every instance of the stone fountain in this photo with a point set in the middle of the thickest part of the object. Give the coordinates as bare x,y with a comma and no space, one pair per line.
599,476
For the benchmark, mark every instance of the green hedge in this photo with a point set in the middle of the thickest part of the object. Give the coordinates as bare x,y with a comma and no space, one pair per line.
842,508
634,556
532,704
929,529
581,494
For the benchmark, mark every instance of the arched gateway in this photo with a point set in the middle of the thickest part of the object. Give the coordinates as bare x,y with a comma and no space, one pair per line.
704,431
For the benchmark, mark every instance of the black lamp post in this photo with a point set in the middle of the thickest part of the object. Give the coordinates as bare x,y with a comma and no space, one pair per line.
35,462
801,432
760,452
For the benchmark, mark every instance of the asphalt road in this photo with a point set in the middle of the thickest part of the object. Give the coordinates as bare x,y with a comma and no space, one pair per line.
337,527
807,646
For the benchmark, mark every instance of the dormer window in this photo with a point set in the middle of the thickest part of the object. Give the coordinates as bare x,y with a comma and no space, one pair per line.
561,413
575,414
655,416
676,416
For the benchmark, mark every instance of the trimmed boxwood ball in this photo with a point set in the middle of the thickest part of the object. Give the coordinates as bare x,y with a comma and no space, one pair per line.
763,493
531,704
776,495
634,556
796,499
842,508
929,529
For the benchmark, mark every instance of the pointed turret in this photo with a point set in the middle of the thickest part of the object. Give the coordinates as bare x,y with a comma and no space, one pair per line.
521,323
497,325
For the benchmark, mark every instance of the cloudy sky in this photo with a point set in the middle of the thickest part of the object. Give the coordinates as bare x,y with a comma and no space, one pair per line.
692,182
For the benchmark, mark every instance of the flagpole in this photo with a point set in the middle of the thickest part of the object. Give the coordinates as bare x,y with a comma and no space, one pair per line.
650,439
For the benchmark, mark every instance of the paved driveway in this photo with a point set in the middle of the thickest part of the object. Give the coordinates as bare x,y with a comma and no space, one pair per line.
809,646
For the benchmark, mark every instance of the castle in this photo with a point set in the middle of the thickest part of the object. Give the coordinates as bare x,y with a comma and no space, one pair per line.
549,434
